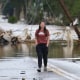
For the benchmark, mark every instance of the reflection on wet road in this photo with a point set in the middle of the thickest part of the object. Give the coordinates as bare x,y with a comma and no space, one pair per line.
24,50
23,66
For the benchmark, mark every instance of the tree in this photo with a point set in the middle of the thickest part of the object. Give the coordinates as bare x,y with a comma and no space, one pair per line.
17,4
69,17
75,10
7,9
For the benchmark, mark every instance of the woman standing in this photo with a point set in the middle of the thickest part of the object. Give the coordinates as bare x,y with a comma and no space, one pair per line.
42,43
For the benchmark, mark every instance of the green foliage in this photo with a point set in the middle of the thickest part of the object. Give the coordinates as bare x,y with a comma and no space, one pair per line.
52,7
75,11
18,5
65,21
12,19
38,18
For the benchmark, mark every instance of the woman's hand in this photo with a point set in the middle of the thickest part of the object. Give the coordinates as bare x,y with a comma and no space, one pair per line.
47,45
47,42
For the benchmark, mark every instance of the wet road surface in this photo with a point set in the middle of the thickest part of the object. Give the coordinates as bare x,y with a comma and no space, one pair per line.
16,69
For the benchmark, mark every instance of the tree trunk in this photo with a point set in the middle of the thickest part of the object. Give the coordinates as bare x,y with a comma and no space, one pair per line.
69,17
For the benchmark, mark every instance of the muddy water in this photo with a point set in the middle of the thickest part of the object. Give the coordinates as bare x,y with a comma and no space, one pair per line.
56,50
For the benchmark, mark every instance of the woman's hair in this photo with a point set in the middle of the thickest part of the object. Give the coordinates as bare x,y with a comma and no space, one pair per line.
45,30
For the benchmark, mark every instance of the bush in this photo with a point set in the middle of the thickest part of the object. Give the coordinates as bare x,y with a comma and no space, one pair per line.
12,19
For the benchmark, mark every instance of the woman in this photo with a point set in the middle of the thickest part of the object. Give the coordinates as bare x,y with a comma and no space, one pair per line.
42,43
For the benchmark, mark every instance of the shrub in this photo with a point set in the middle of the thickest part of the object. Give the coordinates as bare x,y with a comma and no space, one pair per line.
12,19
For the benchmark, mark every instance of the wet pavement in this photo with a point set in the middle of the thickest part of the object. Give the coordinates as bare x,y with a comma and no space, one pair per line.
25,69
19,62
70,67
56,50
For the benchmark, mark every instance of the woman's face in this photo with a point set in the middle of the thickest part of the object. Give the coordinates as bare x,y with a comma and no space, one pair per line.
42,25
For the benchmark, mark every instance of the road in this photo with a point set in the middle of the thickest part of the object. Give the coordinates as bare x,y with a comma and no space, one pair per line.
25,69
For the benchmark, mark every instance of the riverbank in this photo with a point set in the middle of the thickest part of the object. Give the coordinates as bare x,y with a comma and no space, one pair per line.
21,30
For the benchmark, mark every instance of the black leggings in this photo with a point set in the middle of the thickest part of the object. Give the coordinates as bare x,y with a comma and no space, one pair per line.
42,52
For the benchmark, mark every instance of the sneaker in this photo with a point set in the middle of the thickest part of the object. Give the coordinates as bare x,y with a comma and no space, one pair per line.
45,69
39,70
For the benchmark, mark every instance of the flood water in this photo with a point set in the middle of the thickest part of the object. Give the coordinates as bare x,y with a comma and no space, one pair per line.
56,50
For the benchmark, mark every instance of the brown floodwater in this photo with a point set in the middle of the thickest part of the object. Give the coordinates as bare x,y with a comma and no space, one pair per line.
56,50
